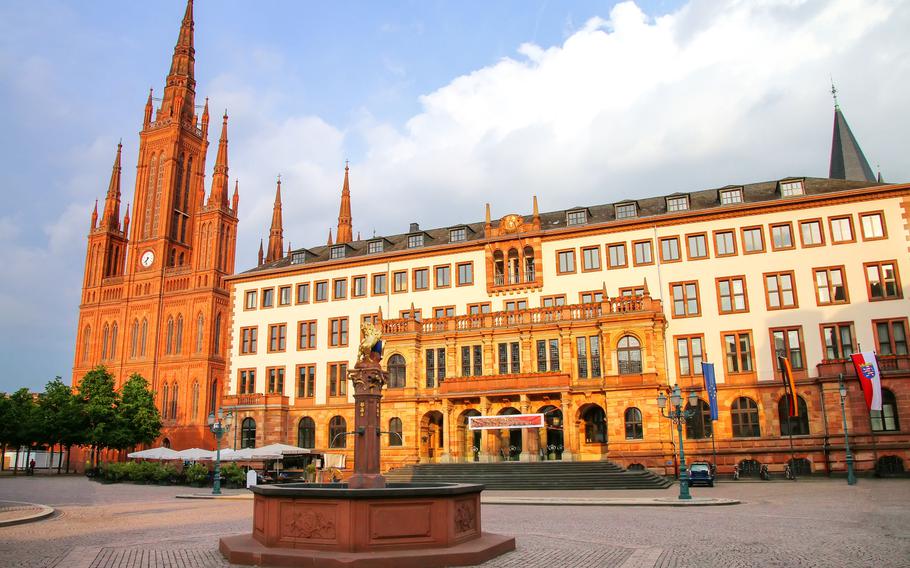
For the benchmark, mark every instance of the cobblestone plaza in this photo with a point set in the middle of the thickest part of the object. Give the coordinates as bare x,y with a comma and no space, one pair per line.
807,523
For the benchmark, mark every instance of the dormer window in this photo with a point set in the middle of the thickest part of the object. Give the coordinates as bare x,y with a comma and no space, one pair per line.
374,247
731,196
626,211
337,252
577,217
298,258
415,241
791,188
458,235
680,203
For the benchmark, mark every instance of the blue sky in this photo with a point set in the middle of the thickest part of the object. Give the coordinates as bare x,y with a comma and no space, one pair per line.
440,106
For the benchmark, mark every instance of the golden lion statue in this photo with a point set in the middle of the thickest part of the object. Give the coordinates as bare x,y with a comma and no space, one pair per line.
371,342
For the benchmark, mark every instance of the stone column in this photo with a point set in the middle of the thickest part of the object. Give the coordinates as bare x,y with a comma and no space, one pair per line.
484,434
526,454
569,428
368,379
446,433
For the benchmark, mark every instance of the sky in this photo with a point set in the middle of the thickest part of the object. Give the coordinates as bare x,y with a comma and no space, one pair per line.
440,106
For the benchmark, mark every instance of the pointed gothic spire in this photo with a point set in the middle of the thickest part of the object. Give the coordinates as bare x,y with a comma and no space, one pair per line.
276,232
94,216
235,199
219,195
289,249
126,221
180,89
330,243
344,214
260,252
847,159
148,111
111,218
205,119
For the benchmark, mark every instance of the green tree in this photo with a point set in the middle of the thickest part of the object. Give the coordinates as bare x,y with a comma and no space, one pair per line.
6,426
62,417
138,419
22,417
99,400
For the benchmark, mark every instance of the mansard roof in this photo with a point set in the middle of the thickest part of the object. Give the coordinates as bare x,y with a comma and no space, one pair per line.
649,207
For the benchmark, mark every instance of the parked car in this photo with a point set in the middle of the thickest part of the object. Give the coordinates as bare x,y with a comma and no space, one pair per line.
701,473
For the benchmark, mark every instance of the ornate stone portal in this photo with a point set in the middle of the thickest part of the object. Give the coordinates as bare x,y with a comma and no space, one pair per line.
364,522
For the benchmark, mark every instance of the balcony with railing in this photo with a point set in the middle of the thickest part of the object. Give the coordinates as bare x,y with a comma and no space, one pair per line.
503,384
887,364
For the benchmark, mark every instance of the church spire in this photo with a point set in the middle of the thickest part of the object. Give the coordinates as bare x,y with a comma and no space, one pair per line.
847,158
219,195
344,234
235,199
330,242
180,89
94,216
147,119
111,218
260,253
276,232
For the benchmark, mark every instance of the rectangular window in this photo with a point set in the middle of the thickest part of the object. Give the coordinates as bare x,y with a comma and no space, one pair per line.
360,286
553,301
632,292
810,231
247,382
677,204
337,252
268,297
411,314
303,293
565,261
250,300
465,273
306,335
471,354
594,296
443,275
374,247
339,288
400,281
284,296
731,295
782,236
882,280
444,312
466,361
421,278
338,380
669,249
515,305
322,291
276,380
576,218
338,332
731,196
738,351
306,381
626,211
873,225
643,252
724,243
838,340
436,366
753,240
458,235
788,342
841,229
891,336
616,255
547,355
248,340
689,355
588,354
590,259
478,360
581,352
277,337
830,286
509,358
780,290
697,246
685,299
415,241
480,308
515,352
791,188
379,284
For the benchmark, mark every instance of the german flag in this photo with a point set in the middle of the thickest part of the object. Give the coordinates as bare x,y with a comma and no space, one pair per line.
789,384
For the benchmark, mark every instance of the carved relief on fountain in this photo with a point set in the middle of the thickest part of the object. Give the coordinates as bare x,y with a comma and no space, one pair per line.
465,516
299,523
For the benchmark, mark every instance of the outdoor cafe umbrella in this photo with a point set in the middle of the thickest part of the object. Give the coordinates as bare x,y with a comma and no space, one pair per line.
195,454
160,453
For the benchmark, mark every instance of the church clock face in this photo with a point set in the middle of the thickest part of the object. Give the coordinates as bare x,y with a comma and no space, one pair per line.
148,258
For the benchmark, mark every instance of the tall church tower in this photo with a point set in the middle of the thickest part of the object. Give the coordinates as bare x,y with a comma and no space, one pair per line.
153,299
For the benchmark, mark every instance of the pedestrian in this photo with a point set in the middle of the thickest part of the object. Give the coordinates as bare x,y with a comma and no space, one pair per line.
31,467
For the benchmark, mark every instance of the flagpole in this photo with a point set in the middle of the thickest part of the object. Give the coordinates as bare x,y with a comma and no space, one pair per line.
791,399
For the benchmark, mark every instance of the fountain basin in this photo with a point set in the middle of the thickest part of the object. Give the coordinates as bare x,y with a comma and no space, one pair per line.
332,525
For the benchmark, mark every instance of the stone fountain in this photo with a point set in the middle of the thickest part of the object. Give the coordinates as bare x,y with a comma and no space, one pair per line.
366,523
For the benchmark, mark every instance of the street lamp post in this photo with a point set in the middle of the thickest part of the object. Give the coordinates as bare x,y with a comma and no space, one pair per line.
218,427
851,477
677,414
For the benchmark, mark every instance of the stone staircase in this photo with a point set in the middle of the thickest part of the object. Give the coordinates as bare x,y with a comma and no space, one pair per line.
548,475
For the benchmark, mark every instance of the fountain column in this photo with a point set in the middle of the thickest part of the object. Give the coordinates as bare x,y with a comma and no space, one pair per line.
367,378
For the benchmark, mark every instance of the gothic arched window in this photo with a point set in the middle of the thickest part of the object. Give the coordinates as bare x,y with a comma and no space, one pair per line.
134,339
105,332
397,372
200,321
217,341
86,342
164,401
143,336
178,341
169,341
113,354
195,404
174,402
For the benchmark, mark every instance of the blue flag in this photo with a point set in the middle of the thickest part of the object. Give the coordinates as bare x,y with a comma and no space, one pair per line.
707,370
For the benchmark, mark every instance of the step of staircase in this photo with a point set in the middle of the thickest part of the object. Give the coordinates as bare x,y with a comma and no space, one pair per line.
549,475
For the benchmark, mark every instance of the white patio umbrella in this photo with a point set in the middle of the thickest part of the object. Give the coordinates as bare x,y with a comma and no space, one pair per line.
279,450
160,453
195,454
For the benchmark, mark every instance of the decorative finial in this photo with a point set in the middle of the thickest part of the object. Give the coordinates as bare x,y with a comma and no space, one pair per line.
834,94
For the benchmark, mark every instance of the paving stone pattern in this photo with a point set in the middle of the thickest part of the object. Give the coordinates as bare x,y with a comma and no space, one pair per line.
808,523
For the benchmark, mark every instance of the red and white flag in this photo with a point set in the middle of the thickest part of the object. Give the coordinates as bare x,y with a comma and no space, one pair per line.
869,378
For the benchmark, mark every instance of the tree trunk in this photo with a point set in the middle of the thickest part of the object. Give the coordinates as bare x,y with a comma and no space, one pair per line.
2,456
60,461
16,463
69,450
28,455
50,462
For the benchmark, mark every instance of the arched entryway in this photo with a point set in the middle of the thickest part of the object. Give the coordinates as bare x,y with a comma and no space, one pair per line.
432,439
593,421
552,438
510,439
468,440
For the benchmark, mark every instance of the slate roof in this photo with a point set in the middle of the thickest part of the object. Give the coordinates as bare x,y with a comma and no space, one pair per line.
847,158
650,207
